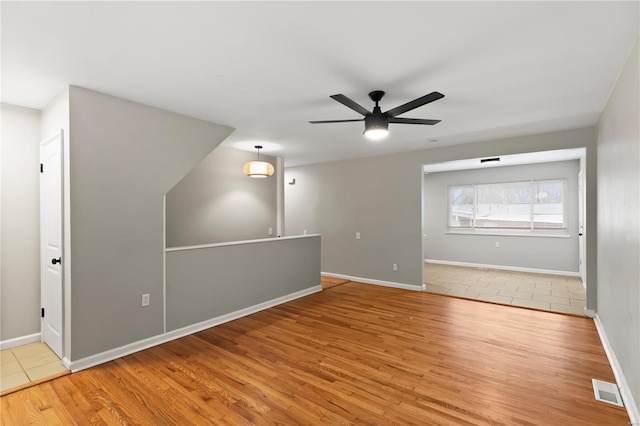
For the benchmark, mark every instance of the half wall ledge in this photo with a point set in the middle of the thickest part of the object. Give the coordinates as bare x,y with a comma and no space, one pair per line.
209,281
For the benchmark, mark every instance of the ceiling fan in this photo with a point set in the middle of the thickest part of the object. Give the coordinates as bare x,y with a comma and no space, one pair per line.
376,122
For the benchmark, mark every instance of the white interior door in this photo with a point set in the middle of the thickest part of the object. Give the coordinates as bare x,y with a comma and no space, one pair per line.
51,280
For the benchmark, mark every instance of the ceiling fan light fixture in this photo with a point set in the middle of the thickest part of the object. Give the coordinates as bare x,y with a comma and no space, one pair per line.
258,169
376,127
376,134
376,122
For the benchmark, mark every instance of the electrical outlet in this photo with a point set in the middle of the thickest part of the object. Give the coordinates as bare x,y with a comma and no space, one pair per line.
357,235
497,244
145,299
305,232
395,266
270,231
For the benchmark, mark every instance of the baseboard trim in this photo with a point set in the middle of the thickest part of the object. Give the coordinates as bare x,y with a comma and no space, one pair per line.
140,345
625,391
19,341
67,363
505,268
376,282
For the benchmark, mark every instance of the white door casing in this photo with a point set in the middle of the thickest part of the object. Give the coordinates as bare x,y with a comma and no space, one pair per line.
51,248
581,228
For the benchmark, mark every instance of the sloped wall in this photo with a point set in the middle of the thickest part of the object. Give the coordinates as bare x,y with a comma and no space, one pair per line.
124,157
216,202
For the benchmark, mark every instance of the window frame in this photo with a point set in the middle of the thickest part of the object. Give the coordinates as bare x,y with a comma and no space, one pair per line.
531,230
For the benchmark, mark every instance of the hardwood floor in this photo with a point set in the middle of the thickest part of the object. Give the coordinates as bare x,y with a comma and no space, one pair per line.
352,354
328,282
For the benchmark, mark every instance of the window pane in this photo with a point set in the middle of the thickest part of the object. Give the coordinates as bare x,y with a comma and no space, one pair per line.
504,205
526,205
548,207
461,206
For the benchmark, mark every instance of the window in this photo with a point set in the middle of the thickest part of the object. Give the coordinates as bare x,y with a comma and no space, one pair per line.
529,205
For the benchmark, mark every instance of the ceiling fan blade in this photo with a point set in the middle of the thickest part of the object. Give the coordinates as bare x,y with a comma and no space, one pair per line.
335,121
350,104
433,96
413,121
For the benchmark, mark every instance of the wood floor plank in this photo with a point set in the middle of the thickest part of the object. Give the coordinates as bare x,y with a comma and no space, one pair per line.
328,282
352,354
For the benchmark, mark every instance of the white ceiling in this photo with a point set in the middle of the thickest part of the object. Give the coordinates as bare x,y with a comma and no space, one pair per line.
266,68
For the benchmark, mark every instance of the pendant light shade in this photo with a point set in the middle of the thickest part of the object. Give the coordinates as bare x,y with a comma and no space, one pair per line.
258,169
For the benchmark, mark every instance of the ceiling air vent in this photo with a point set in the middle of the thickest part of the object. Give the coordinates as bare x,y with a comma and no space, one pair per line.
607,392
487,160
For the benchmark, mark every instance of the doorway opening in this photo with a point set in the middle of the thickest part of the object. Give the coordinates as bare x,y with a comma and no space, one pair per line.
28,365
517,243
51,243
37,362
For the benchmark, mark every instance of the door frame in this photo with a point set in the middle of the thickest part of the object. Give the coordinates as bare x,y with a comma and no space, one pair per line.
582,226
60,136
582,201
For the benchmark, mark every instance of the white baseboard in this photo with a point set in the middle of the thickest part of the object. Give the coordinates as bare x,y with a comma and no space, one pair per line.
67,363
504,268
130,348
376,282
19,341
625,391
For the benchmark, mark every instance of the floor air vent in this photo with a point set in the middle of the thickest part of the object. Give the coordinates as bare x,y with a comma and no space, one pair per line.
607,392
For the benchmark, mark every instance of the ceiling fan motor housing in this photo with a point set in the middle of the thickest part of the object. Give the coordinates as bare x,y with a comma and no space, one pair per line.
377,120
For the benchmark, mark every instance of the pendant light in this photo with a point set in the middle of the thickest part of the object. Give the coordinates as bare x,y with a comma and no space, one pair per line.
258,169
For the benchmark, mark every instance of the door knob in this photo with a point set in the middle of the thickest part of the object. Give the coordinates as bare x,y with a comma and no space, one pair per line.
580,234
58,260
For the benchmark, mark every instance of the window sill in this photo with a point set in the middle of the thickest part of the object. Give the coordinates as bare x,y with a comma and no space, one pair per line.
510,233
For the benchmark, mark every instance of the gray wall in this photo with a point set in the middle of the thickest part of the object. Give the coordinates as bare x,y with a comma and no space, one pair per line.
381,198
124,158
209,282
555,254
619,222
216,202
20,238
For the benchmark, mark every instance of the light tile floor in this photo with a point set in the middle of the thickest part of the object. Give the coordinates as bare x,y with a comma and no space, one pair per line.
23,365
549,292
